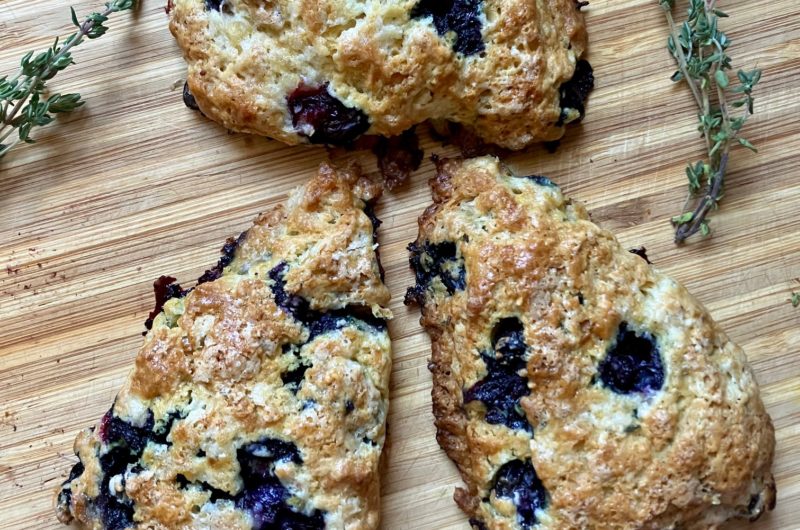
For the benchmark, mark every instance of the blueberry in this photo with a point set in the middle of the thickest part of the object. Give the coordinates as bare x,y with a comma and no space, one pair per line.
458,16
114,430
76,471
116,515
257,459
188,98
330,120
501,392
125,444
264,503
228,252
575,91
218,5
351,315
292,378
435,260
161,433
293,304
263,495
541,181
508,340
216,494
503,387
517,480
65,495
633,364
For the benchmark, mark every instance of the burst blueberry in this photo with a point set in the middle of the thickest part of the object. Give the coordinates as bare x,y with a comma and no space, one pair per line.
263,495
323,118
294,377
291,303
575,91
633,364
462,17
435,260
517,480
502,387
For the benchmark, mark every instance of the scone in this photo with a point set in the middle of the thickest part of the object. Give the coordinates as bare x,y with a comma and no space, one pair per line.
327,71
259,397
574,385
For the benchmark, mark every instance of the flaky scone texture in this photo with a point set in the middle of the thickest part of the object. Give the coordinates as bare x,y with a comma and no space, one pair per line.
259,397
495,66
575,385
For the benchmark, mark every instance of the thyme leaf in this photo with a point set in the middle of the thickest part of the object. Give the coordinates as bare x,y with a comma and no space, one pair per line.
699,48
25,101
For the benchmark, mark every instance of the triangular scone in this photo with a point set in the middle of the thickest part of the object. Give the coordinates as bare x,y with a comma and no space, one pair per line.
575,386
259,398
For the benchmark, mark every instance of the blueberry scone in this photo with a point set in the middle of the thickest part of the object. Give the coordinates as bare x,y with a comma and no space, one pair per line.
327,71
574,385
259,397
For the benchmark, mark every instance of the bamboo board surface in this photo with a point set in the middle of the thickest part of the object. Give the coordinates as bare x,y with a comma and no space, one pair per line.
135,185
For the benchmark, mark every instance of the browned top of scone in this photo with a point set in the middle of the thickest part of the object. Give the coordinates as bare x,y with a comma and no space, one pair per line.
495,66
633,408
258,397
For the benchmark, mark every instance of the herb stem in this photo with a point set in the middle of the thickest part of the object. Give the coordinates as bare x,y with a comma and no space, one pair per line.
686,230
681,59
84,30
24,99
699,49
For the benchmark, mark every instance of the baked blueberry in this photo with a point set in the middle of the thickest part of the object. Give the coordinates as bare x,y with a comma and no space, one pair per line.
435,260
263,495
291,303
294,377
188,98
632,364
459,16
323,118
517,480
503,387
116,431
541,181
575,91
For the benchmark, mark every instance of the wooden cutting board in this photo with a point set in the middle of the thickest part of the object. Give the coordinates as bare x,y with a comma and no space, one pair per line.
135,185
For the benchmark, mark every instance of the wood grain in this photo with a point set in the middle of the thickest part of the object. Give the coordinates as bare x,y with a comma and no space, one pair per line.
135,185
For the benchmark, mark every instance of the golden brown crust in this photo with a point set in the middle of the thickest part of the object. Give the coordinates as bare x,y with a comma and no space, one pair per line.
245,59
691,452
283,360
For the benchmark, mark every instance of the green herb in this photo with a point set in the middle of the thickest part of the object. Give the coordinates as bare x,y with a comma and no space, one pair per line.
795,299
25,101
699,49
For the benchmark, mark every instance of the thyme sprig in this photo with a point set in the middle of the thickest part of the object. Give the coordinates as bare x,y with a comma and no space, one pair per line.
25,101
699,49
